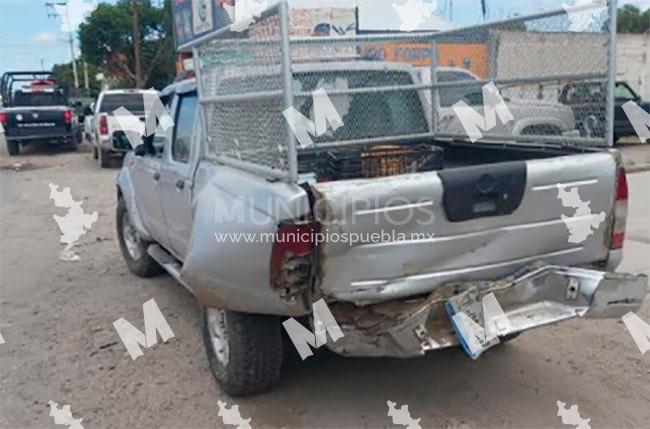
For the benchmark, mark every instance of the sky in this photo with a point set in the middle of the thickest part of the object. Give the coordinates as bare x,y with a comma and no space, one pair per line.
30,39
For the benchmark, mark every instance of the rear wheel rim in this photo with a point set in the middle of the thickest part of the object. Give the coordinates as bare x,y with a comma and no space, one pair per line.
131,238
218,332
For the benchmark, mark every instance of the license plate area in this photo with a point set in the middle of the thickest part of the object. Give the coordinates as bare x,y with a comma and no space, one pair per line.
482,191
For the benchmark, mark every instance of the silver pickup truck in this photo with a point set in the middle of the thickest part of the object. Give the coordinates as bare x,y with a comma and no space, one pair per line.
398,235
468,220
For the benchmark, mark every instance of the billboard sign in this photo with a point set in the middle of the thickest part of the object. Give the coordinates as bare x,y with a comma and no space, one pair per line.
196,18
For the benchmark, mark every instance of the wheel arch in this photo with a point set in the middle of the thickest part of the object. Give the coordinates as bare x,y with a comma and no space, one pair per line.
126,191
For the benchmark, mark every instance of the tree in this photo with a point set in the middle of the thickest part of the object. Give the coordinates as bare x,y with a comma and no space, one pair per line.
63,73
132,41
631,20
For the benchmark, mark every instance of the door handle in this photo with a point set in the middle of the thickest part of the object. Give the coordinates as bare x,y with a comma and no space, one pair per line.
180,184
156,176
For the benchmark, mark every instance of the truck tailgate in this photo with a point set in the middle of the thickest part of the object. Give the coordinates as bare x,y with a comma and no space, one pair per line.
36,121
472,223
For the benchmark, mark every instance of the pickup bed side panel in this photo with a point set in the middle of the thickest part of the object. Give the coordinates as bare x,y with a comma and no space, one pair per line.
235,217
485,248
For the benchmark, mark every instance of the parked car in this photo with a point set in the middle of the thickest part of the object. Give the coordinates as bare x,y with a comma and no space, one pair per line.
88,131
108,138
497,226
587,101
35,108
80,105
531,116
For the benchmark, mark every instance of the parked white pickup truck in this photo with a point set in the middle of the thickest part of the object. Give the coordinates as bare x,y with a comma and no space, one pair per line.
537,117
108,138
463,220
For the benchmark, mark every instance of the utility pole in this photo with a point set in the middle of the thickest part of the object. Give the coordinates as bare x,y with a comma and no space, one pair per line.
86,82
66,19
137,49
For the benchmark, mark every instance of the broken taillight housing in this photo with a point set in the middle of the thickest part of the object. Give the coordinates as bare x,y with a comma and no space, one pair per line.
292,256
620,211
103,125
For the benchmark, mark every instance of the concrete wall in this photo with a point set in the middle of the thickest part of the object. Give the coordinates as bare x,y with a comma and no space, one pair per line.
516,54
633,62
521,54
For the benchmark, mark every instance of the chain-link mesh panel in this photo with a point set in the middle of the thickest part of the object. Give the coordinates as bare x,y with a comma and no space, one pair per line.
550,70
261,141
241,88
542,78
375,88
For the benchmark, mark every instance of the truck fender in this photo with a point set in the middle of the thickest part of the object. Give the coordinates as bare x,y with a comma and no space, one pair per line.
125,190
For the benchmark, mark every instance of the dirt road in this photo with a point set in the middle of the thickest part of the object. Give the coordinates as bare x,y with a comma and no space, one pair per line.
56,318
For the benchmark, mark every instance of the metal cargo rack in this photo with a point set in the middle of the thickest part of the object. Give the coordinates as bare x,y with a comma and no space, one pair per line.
10,78
248,77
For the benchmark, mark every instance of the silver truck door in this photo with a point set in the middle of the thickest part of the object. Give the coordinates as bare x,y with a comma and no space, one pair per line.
147,172
176,176
146,181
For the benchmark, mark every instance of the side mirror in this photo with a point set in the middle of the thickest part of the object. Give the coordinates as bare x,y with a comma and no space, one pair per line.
140,150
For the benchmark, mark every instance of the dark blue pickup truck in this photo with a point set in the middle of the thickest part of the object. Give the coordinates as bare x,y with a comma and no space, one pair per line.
35,109
586,99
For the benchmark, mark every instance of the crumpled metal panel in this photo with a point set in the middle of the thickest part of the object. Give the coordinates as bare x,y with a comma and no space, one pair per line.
487,248
235,275
538,295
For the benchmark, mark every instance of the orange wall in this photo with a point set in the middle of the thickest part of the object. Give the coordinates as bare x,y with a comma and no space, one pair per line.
473,57
459,55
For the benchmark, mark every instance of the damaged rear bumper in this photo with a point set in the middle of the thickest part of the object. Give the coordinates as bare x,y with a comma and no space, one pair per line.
536,296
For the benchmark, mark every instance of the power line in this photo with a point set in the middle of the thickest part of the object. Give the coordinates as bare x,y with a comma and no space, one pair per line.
67,21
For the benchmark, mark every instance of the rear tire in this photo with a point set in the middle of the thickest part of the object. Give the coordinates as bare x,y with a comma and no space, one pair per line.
13,148
133,248
104,158
73,145
244,350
